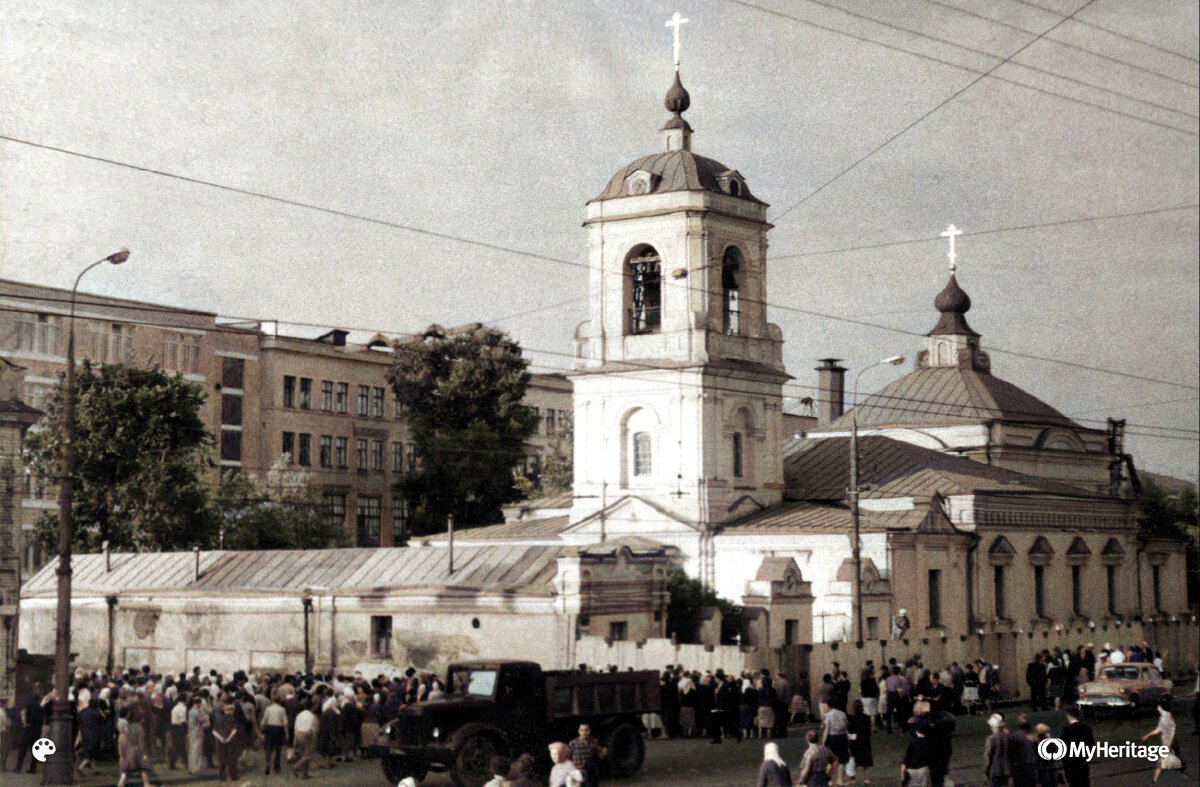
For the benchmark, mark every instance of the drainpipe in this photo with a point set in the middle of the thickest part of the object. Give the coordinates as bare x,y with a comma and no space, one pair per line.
332,632
110,657
306,600
450,528
107,558
196,554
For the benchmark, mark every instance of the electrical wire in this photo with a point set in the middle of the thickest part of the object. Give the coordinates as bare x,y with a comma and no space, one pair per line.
1125,36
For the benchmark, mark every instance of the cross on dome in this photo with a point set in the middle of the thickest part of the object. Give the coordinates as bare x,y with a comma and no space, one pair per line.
677,21
952,232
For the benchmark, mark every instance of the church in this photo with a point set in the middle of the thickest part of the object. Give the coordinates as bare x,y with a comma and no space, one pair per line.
985,514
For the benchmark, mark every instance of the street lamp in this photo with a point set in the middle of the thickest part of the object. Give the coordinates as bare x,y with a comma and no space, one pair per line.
60,768
895,360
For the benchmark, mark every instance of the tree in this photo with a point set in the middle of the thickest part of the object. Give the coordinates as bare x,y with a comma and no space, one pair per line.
140,451
1161,514
461,391
688,597
251,517
554,472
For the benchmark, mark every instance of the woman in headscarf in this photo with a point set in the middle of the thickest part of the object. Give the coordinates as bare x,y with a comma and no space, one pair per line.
858,729
768,698
748,707
774,771
195,736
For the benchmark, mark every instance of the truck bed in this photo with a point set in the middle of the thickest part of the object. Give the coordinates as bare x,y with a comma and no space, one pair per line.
573,694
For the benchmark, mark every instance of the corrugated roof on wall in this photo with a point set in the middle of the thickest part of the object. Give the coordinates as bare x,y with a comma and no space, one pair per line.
496,568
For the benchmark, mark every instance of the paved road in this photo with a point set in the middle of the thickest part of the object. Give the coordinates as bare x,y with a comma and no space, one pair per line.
682,763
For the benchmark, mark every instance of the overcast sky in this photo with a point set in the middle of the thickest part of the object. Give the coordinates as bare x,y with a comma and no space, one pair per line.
497,121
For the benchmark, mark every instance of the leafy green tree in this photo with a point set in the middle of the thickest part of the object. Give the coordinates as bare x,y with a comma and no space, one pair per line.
554,472
251,517
688,597
141,450
461,391
1161,514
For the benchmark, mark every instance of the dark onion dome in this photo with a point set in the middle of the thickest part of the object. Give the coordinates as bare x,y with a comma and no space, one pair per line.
678,99
953,303
680,170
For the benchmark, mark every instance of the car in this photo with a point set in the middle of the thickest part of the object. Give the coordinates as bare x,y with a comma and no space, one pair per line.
1124,687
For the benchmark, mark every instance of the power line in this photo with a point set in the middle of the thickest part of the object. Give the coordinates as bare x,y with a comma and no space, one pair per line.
1125,36
939,238
1065,44
964,48
996,77
544,258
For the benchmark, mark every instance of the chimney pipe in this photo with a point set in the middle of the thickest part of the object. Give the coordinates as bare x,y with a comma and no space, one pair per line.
196,552
831,390
107,557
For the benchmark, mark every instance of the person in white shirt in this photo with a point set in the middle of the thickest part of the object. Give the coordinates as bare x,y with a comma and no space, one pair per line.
305,740
177,750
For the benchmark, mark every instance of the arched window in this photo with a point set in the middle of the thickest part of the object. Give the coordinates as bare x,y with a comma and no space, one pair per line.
642,454
731,267
645,301
737,455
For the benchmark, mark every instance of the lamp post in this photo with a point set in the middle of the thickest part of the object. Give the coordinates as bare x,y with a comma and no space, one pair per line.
60,768
895,360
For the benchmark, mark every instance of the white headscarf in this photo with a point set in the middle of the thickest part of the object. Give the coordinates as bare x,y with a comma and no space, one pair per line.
686,685
771,754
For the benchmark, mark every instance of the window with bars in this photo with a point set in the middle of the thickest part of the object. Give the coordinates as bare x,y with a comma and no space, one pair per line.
642,464
327,395
326,457
645,306
305,393
181,352
341,453
368,515
343,397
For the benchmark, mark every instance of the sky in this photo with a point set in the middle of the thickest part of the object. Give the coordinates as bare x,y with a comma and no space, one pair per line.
468,136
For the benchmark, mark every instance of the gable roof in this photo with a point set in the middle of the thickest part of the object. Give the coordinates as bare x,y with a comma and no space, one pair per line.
820,470
807,517
949,395
536,529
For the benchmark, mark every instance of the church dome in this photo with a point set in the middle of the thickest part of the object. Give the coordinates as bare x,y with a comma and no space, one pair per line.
952,298
677,170
678,99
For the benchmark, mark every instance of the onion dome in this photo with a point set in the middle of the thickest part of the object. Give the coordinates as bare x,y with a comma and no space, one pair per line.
678,99
953,303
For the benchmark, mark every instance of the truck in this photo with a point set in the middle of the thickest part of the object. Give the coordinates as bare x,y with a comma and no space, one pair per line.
512,707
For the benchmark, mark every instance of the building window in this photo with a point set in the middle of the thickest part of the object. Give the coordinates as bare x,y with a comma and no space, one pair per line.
381,636
400,515
410,457
233,371
1039,591
730,275
326,457
288,448
231,446
645,310
1112,589
335,508
364,400
369,513
305,450
327,395
341,451
377,455
791,632
935,597
397,457
289,391
872,628
1077,591
112,343
998,590
641,454
618,630
37,333
564,419
360,453
231,409
305,393
1155,578
550,422
181,352
343,397
377,402
737,454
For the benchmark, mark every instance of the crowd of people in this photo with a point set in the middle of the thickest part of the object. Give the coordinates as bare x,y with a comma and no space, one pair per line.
207,723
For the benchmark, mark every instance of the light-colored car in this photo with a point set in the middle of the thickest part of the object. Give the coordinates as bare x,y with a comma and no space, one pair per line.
1125,686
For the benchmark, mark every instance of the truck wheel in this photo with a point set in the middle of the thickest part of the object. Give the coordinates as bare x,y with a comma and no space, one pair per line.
472,760
626,749
396,767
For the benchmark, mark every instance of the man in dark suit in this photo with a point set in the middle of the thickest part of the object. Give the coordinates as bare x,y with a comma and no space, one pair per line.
1035,676
1075,769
